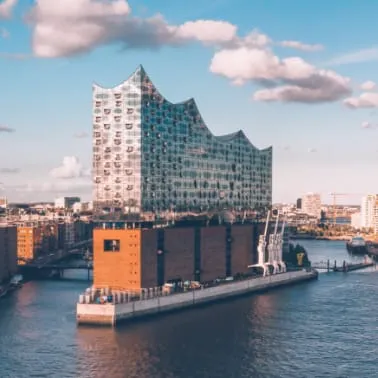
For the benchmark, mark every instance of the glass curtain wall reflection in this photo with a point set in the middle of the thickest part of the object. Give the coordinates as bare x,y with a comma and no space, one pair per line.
150,155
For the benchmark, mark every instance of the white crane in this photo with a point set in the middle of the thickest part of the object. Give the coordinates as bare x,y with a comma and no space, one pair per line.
273,248
261,248
279,247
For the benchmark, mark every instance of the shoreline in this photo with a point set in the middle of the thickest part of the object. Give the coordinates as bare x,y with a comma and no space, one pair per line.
331,238
113,313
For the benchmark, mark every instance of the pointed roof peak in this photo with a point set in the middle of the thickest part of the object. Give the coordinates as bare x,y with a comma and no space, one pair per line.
140,69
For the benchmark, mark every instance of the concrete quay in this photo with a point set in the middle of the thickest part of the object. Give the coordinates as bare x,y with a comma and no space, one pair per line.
111,314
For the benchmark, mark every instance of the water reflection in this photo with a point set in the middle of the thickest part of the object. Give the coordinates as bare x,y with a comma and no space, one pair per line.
318,329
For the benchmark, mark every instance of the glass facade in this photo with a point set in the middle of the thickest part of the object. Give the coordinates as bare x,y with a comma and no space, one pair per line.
152,155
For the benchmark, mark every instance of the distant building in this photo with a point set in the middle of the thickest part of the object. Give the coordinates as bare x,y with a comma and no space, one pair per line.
8,252
66,202
82,206
299,203
3,202
312,204
69,234
36,238
29,242
355,220
368,206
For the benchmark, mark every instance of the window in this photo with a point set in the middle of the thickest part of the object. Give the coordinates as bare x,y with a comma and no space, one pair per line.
113,245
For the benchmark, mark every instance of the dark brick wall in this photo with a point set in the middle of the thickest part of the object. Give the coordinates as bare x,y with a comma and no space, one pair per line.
149,258
8,252
213,252
179,253
242,253
61,235
12,249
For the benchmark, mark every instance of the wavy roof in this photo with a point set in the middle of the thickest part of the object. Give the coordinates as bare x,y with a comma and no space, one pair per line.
227,138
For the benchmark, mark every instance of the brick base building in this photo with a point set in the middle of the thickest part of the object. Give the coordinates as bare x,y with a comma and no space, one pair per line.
134,258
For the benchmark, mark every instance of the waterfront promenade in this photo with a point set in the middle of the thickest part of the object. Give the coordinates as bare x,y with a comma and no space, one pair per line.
121,306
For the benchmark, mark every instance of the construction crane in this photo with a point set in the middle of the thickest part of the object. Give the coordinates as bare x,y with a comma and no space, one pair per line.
335,196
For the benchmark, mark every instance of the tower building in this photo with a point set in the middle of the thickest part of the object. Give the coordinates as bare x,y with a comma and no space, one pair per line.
150,155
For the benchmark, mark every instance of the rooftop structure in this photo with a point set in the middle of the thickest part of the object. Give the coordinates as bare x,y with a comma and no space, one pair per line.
150,155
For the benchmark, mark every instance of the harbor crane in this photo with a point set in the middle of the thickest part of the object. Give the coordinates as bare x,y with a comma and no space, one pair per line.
261,248
274,249
335,196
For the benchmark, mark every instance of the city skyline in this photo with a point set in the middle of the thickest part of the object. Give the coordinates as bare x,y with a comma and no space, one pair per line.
298,86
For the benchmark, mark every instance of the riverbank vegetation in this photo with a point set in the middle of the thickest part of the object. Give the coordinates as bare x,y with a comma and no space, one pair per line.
296,256
330,231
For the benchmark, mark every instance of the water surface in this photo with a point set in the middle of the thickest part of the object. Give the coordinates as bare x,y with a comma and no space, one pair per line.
325,328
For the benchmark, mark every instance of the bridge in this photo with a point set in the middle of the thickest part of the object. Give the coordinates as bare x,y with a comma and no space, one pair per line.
54,264
54,270
345,266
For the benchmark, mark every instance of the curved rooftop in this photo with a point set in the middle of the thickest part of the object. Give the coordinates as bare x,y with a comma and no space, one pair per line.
141,75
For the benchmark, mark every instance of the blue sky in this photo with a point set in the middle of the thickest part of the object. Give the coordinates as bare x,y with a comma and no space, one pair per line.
323,133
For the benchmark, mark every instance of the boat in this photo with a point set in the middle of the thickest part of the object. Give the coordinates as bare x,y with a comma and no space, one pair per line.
16,281
357,245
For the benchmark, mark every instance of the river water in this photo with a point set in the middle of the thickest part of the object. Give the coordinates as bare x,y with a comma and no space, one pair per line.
326,328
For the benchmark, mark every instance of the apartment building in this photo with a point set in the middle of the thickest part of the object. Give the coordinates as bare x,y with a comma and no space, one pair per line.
312,204
29,242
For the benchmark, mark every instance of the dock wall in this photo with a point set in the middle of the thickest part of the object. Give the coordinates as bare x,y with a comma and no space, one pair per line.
110,314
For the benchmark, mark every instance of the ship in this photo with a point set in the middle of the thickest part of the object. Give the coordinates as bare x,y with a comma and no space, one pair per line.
357,245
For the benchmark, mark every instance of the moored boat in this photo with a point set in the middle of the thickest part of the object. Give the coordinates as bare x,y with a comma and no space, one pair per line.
16,281
357,245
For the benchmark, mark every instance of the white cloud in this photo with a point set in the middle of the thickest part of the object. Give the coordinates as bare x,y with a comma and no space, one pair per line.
81,135
360,56
301,46
9,170
6,8
364,100
368,125
206,31
288,80
368,85
254,39
70,168
6,129
71,27
312,150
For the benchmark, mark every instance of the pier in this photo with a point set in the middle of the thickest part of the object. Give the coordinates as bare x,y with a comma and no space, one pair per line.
122,306
345,267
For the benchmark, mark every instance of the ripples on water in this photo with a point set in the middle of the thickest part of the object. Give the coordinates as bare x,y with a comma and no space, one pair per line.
318,329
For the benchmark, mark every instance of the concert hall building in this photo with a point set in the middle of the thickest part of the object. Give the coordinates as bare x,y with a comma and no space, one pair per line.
151,156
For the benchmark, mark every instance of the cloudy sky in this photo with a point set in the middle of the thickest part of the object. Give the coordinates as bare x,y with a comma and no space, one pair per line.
293,74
